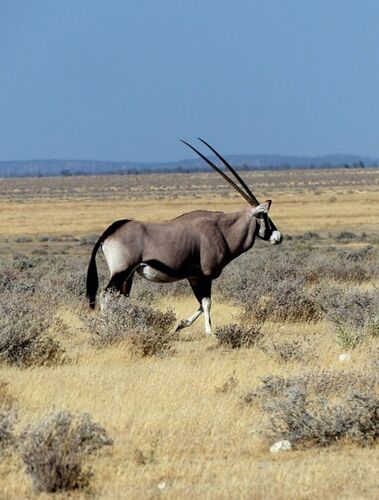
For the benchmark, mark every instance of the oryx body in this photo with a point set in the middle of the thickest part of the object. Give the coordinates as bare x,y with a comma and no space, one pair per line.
195,246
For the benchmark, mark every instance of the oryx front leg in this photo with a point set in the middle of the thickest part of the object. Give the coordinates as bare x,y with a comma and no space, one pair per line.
206,305
189,321
201,287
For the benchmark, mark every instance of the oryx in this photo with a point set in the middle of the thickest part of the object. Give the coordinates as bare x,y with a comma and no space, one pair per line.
195,246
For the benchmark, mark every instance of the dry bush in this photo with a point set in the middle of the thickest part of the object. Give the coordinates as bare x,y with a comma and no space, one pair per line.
304,420
62,280
259,272
54,449
23,239
39,251
237,336
297,408
270,286
147,330
17,276
88,239
8,418
282,300
43,238
309,235
324,382
346,236
287,351
280,286
54,279
353,312
352,266
24,338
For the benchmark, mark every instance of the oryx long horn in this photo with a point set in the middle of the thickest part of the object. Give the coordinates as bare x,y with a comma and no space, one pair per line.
231,182
231,169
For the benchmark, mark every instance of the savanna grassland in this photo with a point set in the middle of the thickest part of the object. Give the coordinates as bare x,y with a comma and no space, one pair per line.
184,415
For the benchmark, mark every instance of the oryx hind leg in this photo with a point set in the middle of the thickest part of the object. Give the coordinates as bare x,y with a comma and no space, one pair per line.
119,283
127,286
189,321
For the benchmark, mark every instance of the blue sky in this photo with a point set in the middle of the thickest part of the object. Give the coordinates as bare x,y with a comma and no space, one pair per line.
123,80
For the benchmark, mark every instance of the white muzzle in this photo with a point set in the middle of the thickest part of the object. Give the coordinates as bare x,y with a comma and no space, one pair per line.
276,238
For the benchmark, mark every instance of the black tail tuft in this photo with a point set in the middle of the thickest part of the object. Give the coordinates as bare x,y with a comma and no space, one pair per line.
92,278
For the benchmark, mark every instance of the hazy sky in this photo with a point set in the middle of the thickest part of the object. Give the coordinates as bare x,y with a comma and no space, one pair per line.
125,80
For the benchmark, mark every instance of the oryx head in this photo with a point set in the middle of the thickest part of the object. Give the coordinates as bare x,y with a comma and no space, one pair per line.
266,229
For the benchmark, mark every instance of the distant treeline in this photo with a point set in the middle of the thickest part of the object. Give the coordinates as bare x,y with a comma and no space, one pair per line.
54,168
182,170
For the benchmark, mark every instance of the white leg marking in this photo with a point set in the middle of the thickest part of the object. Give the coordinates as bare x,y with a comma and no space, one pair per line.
189,321
206,305
194,317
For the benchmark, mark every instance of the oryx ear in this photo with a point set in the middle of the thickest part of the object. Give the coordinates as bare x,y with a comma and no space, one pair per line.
261,209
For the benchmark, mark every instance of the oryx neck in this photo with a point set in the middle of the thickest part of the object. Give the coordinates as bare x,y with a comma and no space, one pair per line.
238,229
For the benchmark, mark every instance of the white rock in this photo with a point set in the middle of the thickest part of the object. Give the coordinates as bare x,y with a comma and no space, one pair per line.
162,485
283,445
344,357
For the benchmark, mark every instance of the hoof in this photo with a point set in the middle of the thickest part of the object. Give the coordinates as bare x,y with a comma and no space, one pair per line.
182,324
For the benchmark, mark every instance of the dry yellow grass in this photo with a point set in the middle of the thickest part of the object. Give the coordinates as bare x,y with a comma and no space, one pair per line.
328,204
292,213
208,444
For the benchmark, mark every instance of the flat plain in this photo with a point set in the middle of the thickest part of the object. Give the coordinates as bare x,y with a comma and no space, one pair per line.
303,200
182,423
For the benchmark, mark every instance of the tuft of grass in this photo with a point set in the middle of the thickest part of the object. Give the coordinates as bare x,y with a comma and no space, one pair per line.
347,338
149,457
229,385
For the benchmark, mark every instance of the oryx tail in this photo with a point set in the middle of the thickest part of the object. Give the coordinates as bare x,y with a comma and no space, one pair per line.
92,277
